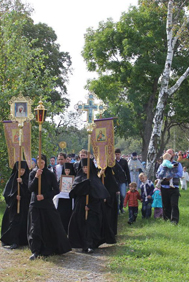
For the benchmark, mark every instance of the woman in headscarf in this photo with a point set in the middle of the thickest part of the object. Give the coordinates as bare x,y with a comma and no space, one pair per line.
62,201
88,234
14,225
46,234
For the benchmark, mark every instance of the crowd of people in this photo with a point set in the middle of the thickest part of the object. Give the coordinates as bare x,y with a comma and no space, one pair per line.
54,216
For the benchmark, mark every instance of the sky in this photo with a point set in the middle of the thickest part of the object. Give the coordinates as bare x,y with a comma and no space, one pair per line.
70,20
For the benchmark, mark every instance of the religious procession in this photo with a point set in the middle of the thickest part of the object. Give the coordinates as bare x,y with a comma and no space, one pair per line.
94,188
68,204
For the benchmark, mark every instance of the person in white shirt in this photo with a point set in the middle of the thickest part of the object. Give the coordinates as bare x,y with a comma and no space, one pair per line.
184,179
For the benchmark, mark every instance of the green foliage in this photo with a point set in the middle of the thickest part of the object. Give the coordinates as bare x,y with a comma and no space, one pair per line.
129,145
185,162
31,64
179,139
57,63
129,57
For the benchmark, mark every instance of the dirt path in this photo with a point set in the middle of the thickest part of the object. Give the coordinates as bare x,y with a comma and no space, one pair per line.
74,266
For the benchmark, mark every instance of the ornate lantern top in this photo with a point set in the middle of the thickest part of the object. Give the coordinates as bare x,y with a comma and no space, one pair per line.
40,112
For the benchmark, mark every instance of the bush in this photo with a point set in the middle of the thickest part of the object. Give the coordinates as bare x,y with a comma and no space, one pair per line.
185,162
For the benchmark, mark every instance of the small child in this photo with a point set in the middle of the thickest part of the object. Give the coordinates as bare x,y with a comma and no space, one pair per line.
147,188
132,198
184,179
167,171
157,202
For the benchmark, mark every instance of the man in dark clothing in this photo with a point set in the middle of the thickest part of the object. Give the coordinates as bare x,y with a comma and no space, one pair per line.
122,175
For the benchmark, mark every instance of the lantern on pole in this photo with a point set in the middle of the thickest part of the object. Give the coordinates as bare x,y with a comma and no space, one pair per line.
40,114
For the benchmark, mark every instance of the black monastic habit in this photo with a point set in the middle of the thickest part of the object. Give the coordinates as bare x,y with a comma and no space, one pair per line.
46,234
111,204
89,233
14,225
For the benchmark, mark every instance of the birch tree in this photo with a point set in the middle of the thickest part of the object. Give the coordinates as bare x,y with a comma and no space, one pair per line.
176,32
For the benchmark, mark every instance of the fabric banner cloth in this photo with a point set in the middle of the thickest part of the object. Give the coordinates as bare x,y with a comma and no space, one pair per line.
11,130
102,140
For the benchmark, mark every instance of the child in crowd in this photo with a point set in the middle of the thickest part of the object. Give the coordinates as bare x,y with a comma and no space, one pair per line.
167,171
184,179
157,202
132,198
147,188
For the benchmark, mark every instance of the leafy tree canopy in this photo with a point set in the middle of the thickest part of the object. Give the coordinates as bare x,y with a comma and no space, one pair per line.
31,64
129,57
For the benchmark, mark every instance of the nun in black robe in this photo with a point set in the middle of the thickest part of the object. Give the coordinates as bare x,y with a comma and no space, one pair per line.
111,204
46,234
62,201
14,225
88,234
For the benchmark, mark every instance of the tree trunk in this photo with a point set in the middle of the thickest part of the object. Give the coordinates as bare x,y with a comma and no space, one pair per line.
149,109
155,139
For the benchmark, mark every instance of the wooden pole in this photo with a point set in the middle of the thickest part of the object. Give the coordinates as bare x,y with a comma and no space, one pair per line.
88,171
19,167
39,178
103,178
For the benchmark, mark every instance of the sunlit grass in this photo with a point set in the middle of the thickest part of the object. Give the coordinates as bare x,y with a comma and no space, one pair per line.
153,250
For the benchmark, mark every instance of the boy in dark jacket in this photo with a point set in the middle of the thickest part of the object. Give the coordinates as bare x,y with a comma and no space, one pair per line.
132,198
147,188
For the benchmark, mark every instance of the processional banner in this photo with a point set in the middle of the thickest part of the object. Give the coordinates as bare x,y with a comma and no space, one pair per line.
11,130
102,140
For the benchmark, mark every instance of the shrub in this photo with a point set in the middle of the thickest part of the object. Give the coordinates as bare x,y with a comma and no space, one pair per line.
185,162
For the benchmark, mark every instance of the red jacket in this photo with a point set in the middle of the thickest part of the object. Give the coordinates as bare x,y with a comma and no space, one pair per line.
132,199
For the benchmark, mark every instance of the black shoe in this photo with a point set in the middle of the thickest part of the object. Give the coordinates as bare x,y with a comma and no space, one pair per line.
33,256
13,246
129,222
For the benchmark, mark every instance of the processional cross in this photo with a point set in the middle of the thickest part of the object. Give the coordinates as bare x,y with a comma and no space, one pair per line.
90,108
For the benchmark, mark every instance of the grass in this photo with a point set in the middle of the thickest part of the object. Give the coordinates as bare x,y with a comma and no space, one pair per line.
2,209
153,250
147,251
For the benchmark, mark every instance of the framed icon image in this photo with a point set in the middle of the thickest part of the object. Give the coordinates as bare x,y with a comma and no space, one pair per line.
66,182
20,108
101,134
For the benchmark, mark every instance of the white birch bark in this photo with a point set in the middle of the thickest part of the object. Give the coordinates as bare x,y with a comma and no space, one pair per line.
164,91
